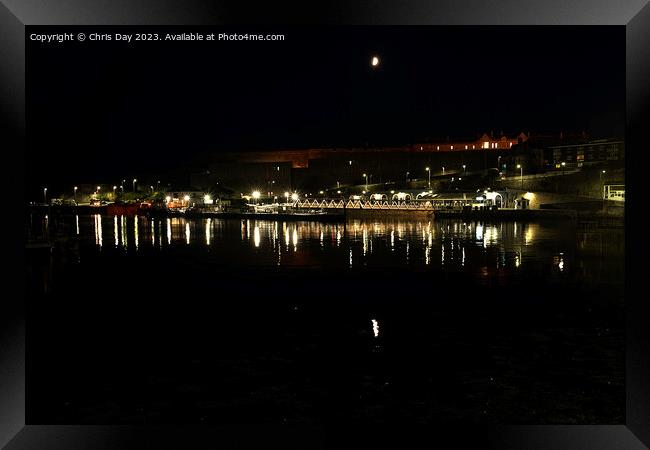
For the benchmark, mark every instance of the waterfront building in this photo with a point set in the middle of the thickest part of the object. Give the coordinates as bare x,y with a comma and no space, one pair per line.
184,198
586,153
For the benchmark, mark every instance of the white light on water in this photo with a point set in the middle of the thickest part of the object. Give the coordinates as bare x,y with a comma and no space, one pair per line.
135,231
479,232
98,230
116,236
256,236
375,327
123,225
365,241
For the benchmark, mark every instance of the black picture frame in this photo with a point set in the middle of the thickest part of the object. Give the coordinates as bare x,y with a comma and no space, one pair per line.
15,15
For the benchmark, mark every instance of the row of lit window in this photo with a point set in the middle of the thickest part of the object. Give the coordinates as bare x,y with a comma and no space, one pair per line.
485,145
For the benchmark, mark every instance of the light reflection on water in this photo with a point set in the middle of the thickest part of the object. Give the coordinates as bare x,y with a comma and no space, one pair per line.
487,251
125,241
135,230
98,229
438,244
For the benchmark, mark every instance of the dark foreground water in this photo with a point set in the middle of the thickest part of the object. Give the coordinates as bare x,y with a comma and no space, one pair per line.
133,320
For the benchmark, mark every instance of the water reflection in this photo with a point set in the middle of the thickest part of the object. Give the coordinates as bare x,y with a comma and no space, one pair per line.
208,230
449,245
125,240
135,231
375,327
98,229
398,327
115,232
256,235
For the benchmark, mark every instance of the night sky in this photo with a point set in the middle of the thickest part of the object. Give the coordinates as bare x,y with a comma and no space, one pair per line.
98,112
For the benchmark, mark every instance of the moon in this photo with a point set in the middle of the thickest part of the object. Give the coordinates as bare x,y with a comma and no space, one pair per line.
374,62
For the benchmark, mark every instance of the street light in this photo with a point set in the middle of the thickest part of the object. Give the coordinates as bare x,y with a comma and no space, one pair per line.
464,167
114,187
563,166
429,172
521,173
134,181
366,176
443,170
407,176
286,196
602,172
45,195
75,194
499,163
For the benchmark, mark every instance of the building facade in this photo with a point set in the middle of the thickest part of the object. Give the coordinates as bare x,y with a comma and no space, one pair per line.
587,153
485,142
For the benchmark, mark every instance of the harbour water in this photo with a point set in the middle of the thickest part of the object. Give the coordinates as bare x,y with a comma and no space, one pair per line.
140,320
